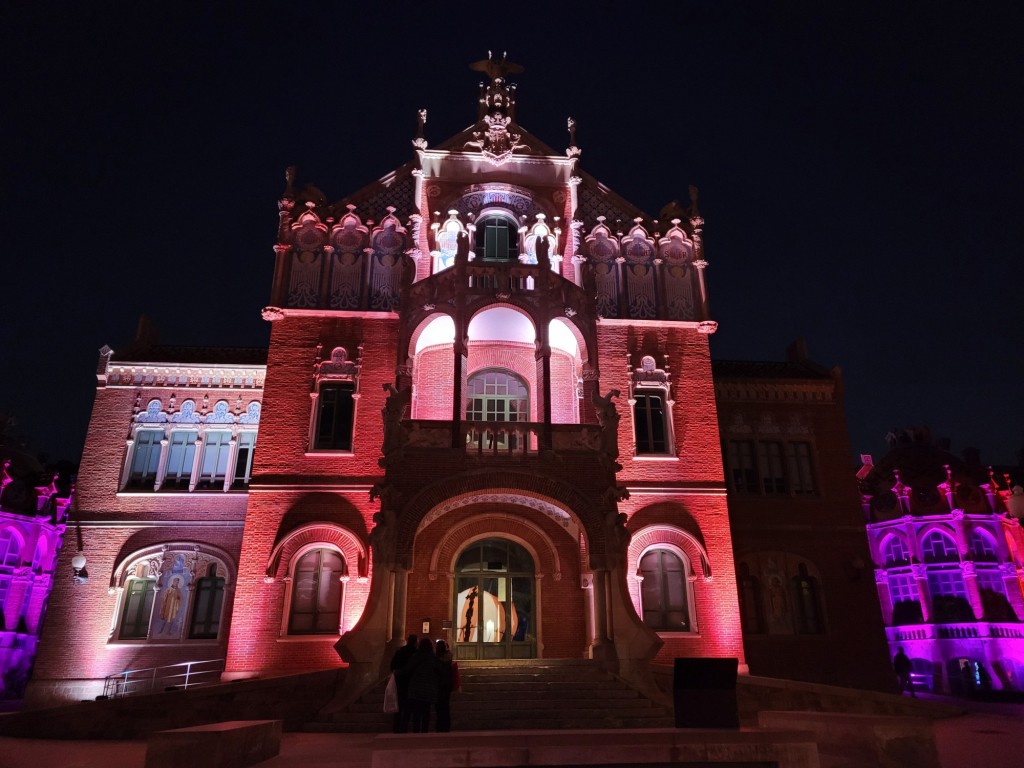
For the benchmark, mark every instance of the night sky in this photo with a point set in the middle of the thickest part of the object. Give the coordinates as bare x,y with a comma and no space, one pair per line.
859,165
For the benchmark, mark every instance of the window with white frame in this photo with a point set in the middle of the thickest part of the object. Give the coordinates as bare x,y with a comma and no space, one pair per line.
246,447
649,421
334,416
181,454
665,591
316,593
145,461
216,454
652,409
186,451
334,397
938,547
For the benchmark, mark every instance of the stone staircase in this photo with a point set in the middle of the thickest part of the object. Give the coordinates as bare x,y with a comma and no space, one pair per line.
542,694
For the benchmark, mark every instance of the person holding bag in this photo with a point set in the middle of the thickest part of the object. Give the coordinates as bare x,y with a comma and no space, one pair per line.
449,682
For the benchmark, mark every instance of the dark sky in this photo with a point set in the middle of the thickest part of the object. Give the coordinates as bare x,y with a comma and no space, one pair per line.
860,170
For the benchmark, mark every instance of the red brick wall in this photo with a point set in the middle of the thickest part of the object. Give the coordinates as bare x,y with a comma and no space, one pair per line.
825,529
433,376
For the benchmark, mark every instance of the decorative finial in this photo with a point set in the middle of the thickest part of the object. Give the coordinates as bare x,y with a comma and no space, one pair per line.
420,142
694,210
496,70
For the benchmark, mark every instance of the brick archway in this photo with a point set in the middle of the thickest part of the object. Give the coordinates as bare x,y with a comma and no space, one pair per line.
535,491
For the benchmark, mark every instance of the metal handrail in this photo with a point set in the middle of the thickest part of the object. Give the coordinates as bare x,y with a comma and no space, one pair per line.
188,674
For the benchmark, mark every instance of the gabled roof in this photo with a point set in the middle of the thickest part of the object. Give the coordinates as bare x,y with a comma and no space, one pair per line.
767,369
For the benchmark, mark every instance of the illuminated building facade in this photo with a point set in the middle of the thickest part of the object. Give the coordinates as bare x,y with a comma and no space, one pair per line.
948,551
486,413
33,520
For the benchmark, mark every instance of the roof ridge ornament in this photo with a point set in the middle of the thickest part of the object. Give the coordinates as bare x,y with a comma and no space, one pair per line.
499,98
420,142
494,69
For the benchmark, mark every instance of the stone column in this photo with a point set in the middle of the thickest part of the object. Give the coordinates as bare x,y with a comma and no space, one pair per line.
599,648
1013,577
884,595
921,577
161,470
973,593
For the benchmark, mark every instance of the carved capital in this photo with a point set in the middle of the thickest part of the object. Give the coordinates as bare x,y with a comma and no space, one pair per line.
707,327
272,314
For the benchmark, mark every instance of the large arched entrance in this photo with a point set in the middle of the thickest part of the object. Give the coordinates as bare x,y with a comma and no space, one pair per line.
495,601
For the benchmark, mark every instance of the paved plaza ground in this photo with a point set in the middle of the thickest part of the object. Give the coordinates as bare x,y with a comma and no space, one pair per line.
989,736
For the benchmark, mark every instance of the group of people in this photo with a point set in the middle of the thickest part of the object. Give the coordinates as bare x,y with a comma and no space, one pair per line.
425,676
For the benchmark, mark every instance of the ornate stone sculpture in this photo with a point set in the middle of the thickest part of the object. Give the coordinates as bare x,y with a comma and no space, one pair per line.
608,418
393,413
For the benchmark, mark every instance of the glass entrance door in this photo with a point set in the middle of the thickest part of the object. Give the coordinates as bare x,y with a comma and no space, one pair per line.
494,602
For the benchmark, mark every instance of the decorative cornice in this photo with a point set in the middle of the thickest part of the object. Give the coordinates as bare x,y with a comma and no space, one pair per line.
176,375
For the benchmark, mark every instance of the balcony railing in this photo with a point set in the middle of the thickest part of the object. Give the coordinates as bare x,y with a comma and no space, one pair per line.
503,439
172,677
958,631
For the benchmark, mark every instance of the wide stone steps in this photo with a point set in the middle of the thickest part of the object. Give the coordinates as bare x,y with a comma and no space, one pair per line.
539,694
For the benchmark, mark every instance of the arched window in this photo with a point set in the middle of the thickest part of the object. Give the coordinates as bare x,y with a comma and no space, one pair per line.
494,395
497,239
937,547
137,606
750,601
316,593
209,602
895,552
10,557
10,549
39,558
806,602
983,546
664,591
494,601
